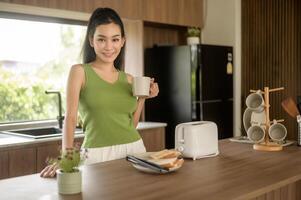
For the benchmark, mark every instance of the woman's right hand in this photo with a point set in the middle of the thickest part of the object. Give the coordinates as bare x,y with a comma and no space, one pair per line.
49,171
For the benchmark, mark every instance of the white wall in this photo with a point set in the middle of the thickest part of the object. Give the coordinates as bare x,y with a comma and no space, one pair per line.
222,26
219,22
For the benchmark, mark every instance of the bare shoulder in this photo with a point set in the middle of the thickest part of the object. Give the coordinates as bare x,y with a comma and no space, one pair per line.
76,76
77,70
129,78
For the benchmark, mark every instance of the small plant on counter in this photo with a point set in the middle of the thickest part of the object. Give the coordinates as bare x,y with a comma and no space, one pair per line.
69,176
69,160
193,32
193,35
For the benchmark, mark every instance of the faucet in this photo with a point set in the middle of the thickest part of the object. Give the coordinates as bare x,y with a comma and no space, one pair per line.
60,117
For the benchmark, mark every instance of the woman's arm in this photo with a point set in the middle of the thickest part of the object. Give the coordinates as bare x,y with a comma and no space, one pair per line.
74,85
137,113
153,92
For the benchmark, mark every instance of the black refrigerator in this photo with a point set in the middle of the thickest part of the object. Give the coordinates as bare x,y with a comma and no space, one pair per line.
196,83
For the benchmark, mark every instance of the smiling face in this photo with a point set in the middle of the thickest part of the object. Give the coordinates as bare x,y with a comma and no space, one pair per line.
107,42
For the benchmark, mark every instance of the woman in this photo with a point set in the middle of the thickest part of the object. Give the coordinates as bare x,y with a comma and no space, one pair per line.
102,94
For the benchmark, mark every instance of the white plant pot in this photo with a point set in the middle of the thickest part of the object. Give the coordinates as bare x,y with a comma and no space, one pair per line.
69,183
193,40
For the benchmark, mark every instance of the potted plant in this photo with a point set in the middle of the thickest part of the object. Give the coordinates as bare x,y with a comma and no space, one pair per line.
193,35
69,176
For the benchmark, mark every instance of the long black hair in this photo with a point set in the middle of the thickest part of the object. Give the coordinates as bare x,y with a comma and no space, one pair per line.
102,16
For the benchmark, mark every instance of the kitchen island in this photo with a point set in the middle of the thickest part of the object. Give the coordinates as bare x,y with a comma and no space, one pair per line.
239,172
22,156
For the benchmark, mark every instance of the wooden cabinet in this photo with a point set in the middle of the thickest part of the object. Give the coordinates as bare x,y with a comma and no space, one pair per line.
31,158
4,164
44,152
79,141
177,12
126,8
22,161
28,159
51,150
155,34
153,139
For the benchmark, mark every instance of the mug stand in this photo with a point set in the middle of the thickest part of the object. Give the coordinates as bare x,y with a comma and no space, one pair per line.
266,145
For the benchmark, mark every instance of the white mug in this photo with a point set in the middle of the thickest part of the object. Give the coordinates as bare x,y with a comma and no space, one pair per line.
256,133
255,102
277,132
258,118
141,86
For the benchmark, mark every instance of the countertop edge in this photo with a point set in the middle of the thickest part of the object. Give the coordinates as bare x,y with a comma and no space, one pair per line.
269,188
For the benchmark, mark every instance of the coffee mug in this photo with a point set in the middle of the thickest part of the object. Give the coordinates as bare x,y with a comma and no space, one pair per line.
256,134
258,118
141,86
246,119
255,102
277,132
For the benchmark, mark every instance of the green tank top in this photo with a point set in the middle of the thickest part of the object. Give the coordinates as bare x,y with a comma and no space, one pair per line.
106,110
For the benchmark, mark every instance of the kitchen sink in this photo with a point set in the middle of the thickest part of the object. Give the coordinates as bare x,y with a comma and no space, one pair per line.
37,133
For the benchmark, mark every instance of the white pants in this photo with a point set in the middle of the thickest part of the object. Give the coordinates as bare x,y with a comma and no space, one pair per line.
103,154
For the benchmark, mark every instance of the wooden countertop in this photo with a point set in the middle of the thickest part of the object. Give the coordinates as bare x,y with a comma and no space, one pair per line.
239,172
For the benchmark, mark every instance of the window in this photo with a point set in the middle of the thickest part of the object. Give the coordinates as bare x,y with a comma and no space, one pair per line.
35,56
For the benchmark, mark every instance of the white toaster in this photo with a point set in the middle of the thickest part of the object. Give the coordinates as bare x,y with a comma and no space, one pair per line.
197,139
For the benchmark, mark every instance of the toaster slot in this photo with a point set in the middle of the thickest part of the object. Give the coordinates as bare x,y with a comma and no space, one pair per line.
198,123
180,134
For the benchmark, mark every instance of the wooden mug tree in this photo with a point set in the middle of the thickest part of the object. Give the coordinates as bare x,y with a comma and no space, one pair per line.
267,145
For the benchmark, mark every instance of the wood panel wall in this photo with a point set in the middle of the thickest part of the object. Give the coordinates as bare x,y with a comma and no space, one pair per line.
181,12
155,34
271,52
177,12
128,9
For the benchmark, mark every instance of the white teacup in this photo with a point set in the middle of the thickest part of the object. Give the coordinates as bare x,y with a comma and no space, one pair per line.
277,132
258,118
247,119
141,86
256,134
255,102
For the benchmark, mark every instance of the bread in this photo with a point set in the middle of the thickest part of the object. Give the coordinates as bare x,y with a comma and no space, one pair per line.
167,158
165,154
179,162
167,162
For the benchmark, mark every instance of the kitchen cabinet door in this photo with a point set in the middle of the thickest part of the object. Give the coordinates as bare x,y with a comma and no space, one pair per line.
46,151
79,141
3,164
176,12
128,9
22,162
51,150
153,139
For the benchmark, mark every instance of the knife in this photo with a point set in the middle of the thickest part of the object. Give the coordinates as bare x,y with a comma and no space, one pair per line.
147,164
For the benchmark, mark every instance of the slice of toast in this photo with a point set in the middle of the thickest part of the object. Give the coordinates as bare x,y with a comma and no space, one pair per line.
165,162
179,162
165,154
168,162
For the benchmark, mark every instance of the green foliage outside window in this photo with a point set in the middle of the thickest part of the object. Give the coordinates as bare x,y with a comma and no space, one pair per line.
22,103
22,95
